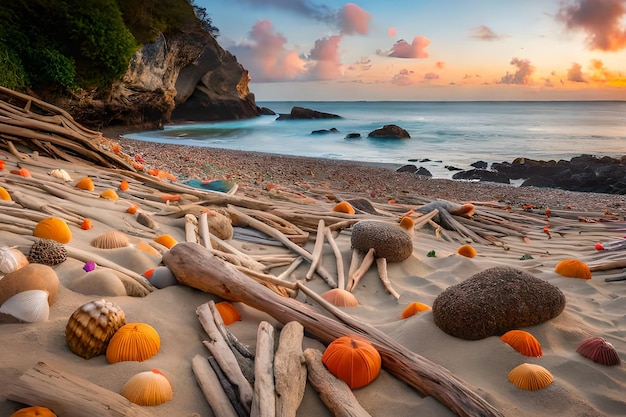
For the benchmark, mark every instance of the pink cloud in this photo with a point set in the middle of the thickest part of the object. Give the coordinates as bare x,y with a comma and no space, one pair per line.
402,78
416,49
575,73
391,32
265,55
327,63
523,74
431,76
352,19
601,20
484,33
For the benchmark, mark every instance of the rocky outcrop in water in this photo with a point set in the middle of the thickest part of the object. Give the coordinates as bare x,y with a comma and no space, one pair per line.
304,113
390,132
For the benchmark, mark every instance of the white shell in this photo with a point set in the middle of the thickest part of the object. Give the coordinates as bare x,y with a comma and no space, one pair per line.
11,260
30,306
60,174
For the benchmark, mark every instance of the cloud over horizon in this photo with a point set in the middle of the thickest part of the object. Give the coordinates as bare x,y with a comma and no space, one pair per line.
403,49
523,74
484,33
601,20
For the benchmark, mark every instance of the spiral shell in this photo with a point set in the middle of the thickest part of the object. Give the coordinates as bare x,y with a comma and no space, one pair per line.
91,327
47,252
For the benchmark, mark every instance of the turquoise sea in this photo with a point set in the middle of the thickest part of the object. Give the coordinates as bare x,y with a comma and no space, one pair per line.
443,134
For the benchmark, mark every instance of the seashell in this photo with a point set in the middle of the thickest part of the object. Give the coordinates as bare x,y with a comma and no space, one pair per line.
53,228
145,220
102,282
573,268
132,209
466,250
148,388
35,411
11,259
166,240
86,224
60,174
407,223
340,298
530,377
228,312
30,306
344,207
599,350
91,327
133,342
111,240
414,308
162,277
124,185
85,184
109,195
4,195
523,342
47,252
23,172
30,277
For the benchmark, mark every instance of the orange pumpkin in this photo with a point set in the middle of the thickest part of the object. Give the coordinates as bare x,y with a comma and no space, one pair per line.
37,411
573,268
355,361
344,207
228,312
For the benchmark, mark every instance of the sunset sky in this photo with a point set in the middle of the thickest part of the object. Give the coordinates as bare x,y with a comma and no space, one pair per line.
427,49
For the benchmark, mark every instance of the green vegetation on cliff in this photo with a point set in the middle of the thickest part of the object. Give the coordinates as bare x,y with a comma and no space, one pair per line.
82,44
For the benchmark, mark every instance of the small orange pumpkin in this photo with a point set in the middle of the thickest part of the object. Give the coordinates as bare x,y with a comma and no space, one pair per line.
355,361
228,312
573,268
344,207
85,184
414,308
466,250
35,411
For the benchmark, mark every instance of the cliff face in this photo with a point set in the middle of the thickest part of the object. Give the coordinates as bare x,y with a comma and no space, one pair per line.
184,76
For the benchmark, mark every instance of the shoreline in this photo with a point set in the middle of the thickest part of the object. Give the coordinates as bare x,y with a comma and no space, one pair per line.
380,182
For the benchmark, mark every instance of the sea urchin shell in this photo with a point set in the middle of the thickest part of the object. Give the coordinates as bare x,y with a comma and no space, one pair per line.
47,252
133,342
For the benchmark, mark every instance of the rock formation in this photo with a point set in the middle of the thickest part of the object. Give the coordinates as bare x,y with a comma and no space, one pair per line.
391,132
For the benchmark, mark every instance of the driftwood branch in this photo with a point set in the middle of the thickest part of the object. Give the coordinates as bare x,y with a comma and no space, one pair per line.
264,401
289,370
208,381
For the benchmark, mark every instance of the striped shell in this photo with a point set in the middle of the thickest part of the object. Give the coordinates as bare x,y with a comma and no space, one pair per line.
148,388
523,342
340,298
530,377
111,240
133,342
91,327
414,308
599,350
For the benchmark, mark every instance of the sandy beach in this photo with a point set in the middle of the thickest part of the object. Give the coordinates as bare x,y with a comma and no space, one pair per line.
529,229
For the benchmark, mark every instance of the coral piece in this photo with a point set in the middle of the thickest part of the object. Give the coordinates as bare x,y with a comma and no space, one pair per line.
91,327
573,268
60,174
35,411
53,228
133,342
148,388
340,298
523,342
89,266
112,239
599,350
353,360
228,312
530,377
389,240
109,195
166,240
466,250
47,252
414,308
86,224
344,207
4,195
11,259
85,184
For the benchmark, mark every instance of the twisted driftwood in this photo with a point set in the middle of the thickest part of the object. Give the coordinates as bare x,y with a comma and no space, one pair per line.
193,265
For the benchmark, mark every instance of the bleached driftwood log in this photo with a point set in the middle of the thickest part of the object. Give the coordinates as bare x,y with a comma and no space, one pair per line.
264,401
217,399
194,266
69,395
289,370
335,394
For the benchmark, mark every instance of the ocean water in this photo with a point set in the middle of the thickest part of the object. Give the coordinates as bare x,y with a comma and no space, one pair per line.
443,134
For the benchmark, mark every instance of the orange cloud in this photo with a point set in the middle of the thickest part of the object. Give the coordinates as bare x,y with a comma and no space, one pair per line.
575,73
353,19
416,49
600,20
484,33
601,74
440,64
523,74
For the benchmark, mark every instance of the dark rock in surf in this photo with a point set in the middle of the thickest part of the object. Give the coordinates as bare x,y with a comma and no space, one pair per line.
411,169
390,132
304,113
480,165
324,131
482,175
353,136
423,172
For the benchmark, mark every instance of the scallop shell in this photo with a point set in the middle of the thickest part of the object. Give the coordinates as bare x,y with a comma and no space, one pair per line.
91,327
228,312
523,342
4,195
133,342
148,388
47,252
30,306
53,228
11,259
340,298
599,350
60,174
530,377
414,308
109,195
111,240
